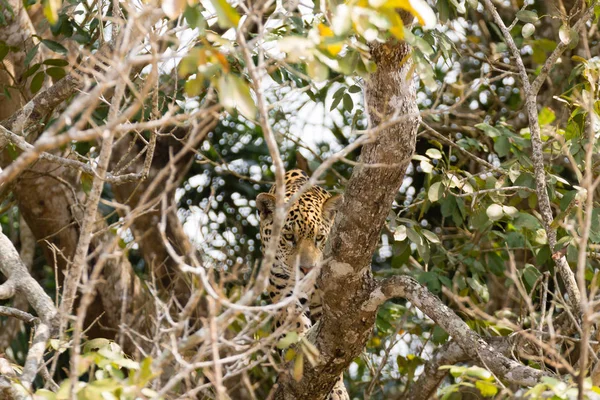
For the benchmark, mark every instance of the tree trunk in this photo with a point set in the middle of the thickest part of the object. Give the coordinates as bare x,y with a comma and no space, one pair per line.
346,280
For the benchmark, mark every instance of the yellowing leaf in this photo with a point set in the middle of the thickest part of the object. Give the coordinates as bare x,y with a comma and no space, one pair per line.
298,367
227,16
487,389
334,48
418,8
51,8
289,354
173,8
324,30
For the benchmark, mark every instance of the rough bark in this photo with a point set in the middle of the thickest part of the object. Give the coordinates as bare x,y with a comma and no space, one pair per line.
17,32
145,226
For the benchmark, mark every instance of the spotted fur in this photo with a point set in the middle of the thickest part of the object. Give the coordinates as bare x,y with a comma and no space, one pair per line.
299,250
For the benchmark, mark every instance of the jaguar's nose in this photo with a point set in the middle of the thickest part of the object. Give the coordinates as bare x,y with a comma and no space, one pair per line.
305,269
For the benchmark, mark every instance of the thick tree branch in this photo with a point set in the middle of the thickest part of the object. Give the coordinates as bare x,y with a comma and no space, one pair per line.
474,346
16,272
346,280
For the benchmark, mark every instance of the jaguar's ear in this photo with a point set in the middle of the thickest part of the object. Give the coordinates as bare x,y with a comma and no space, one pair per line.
331,205
265,202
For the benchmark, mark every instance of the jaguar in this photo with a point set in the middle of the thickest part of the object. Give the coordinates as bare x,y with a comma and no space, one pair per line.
299,251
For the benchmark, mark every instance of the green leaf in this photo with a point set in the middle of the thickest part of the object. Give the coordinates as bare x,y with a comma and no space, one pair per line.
430,279
4,49
193,87
481,290
31,53
37,82
488,130
439,335
478,372
31,70
56,62
502,146
54,46
432,237
195,19
227,16
56,73
526,221
348,103
336,102
317,70
527,16
530,275
45,394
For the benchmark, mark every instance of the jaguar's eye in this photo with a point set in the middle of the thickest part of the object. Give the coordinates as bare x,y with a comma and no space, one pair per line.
289,237
320,238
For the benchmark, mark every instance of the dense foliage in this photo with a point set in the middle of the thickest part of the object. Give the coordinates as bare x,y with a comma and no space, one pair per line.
466,222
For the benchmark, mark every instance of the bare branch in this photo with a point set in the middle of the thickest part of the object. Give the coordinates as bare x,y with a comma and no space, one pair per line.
538,163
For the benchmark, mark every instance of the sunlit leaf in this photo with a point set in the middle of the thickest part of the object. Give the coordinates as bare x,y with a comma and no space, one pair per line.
494,212
227,16
527,30
400,233
234,93
341,22
435,191
287,340
434,154
173,8
432,237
